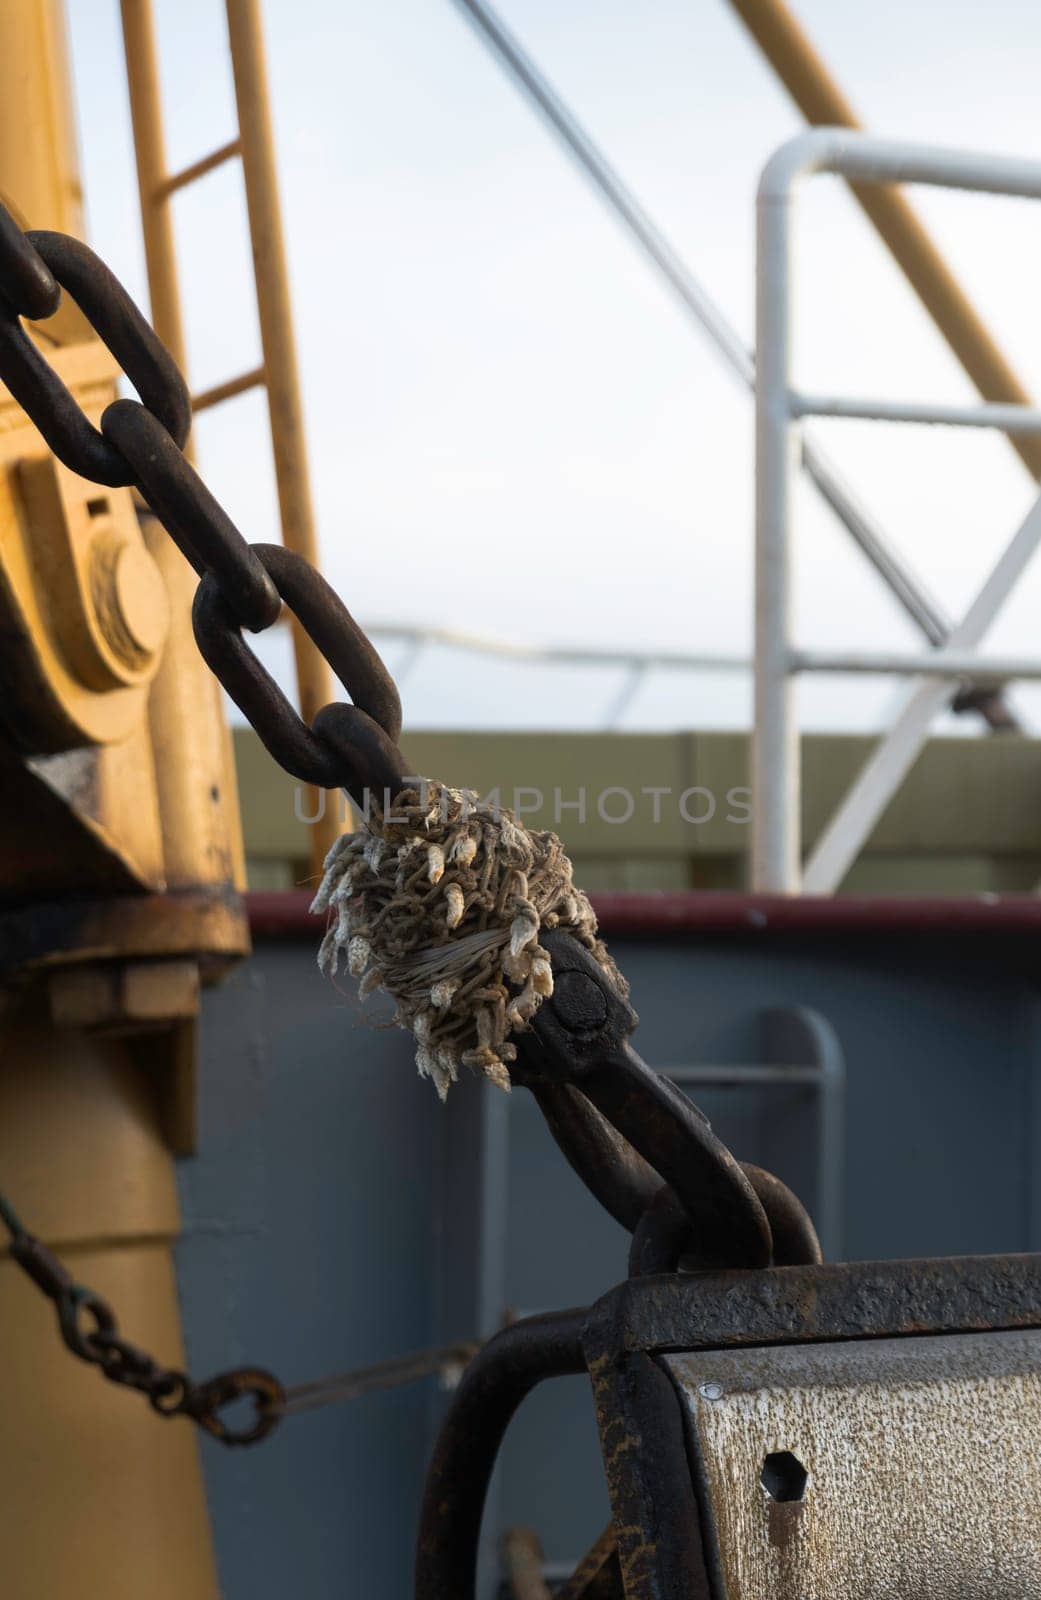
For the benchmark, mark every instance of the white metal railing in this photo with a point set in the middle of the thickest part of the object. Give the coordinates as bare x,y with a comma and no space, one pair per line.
906,586
636,664
936,676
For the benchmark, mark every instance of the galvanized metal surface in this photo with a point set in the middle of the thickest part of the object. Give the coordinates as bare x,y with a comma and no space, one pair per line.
629,1336
872,1470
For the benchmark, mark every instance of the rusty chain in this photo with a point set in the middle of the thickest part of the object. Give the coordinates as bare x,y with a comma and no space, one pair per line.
141,444
89,1330
353,746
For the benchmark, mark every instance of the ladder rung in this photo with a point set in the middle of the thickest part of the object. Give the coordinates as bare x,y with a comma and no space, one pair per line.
198,169
226,391
712,1077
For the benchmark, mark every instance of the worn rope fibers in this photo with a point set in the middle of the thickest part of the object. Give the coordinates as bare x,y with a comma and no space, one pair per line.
439,901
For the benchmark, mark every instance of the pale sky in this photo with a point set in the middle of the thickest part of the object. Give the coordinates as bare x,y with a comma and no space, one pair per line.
513,428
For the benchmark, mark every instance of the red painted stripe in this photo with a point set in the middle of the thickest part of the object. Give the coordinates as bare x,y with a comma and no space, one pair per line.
285,915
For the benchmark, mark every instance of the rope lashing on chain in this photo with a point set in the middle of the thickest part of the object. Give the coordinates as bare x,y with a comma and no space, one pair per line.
438,900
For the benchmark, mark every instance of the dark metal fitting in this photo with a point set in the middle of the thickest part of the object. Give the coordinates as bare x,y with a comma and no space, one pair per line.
85,1342
116,319
374,768
498,1378
359,755
202,529
666,1237
42,1266
579,1039
123,1362
29,285
204,1402
169,1392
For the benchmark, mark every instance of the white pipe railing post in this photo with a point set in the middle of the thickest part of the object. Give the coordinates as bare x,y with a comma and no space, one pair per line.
775,745
775,741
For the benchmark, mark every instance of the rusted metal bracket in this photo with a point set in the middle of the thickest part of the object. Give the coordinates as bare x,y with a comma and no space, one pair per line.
631,1344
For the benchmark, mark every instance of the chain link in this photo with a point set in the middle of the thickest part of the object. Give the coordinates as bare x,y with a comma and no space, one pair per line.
90,1331
140,443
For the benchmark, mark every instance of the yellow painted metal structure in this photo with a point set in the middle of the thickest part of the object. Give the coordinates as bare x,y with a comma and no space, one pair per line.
98,1497
120,858
79,587
254,145
823,104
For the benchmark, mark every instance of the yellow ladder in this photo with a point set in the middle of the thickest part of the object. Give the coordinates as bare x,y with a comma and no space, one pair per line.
254,146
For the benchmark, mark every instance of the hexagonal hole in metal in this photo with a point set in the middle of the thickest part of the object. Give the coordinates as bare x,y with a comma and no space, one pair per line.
783,1476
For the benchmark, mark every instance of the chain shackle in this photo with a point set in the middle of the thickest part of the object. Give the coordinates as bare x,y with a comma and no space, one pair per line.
354,747
579,1039
122,329
666,1233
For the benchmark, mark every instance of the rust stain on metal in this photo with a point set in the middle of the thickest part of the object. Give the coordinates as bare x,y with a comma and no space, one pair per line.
895,1469
597,1576
782,1522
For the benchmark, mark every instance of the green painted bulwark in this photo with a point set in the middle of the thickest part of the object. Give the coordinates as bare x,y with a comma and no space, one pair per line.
671,811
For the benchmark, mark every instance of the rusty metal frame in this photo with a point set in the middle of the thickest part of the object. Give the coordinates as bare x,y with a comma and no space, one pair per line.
644,1445
654,1507
495,1383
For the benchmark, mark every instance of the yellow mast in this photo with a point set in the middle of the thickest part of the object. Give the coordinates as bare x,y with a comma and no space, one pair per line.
120,851
277,375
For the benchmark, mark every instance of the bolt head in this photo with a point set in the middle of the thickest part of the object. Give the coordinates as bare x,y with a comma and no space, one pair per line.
132,607
141,597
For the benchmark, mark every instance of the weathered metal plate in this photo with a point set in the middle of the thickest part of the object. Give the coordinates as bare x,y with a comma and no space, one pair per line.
914,1463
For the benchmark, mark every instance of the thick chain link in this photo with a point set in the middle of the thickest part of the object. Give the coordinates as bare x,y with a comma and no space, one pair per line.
140,443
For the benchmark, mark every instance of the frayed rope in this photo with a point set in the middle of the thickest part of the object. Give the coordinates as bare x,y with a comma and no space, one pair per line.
439,902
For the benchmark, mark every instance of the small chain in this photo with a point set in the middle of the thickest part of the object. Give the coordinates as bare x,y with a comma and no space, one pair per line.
89,1329
141,443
